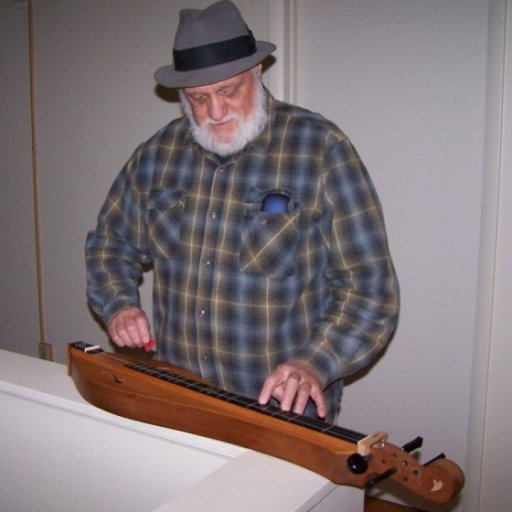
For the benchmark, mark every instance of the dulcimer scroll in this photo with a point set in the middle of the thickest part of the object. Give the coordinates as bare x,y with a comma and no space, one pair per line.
161,394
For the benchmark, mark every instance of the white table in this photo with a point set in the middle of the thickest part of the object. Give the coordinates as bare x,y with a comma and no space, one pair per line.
59,453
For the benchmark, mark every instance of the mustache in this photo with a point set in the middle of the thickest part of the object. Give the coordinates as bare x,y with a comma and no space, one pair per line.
230,117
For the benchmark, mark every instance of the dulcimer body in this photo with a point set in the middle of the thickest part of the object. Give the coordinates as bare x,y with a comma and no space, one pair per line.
161,394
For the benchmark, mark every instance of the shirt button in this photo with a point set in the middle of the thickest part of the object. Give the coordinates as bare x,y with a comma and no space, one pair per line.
213,215
202,313
221,170
207,263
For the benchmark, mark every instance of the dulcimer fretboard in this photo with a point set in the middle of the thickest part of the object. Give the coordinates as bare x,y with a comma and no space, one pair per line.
246,403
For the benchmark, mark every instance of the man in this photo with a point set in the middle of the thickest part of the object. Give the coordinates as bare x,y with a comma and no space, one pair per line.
272,275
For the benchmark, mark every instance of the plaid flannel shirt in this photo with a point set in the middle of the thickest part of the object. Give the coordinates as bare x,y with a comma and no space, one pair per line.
238,290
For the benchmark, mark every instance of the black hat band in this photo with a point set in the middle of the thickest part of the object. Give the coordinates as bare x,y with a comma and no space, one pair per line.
214,53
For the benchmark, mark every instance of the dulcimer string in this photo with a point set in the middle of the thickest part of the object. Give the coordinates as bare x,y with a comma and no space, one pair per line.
317,425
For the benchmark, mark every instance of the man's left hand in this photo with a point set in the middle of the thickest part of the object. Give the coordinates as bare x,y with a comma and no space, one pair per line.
292,384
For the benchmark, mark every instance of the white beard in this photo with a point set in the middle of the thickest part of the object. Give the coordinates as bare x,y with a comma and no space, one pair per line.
248,129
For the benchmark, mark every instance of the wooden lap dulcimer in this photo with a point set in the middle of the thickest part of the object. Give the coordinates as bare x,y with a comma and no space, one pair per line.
161,394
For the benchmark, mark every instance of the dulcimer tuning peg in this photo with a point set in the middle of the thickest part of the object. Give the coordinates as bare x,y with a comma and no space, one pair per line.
379,478
413,445
440,456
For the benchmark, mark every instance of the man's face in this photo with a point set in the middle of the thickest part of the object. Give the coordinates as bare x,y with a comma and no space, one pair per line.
221,108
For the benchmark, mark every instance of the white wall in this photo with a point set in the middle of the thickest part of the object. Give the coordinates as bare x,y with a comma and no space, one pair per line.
18,293
407,81
413,85
496,421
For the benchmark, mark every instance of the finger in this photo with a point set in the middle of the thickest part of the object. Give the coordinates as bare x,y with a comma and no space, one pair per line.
143,330
132,333
318,397
290,391
302,398
123,334
267,389
278,392
128,330
115,335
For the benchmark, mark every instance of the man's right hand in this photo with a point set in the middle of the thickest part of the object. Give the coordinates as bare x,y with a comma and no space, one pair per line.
129,328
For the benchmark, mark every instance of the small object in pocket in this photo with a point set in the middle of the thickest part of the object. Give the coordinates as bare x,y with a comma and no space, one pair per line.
275,203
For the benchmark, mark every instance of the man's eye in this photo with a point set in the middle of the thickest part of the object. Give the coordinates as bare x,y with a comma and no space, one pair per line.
230,91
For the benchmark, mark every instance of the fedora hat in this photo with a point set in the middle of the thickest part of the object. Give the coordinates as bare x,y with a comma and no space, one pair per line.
211,45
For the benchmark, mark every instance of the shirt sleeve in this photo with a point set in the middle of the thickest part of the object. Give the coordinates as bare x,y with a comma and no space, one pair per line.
361,312
116,250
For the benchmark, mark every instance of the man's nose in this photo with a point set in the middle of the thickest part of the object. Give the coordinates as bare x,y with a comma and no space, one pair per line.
217,107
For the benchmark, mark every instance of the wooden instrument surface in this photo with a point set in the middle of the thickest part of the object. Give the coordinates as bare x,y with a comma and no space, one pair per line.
161,394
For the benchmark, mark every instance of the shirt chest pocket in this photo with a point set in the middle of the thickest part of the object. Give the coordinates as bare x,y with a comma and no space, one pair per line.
164,217
269,241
